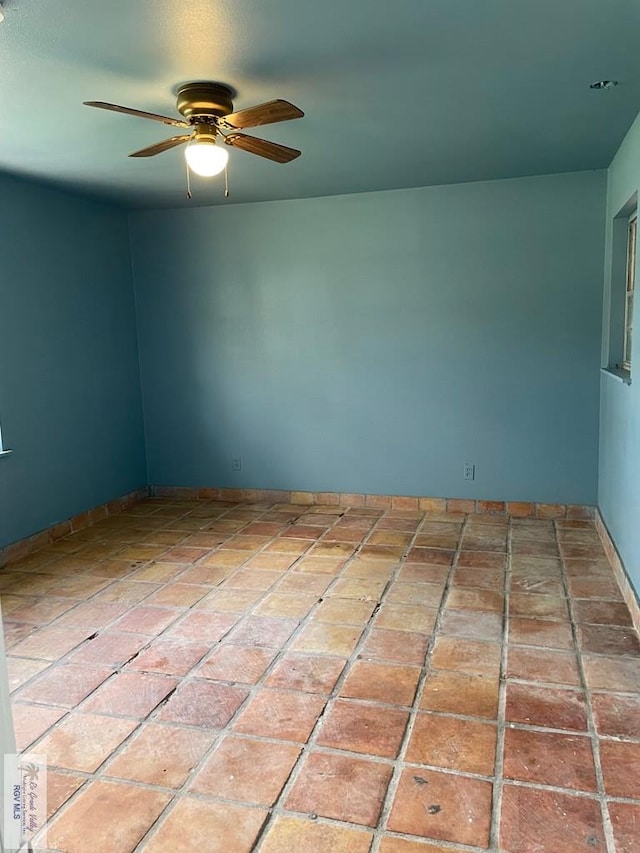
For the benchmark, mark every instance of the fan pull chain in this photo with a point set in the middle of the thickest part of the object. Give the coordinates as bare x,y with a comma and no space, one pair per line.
226,183
188,180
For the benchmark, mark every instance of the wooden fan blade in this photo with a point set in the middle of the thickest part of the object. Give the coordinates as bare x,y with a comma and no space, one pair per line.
268,113
159,147
263,148
103,105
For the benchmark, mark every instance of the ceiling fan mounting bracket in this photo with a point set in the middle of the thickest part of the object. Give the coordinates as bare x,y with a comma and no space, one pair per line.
196,100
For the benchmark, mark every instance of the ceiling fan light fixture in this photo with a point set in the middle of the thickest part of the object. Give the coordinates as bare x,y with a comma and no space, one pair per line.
205,158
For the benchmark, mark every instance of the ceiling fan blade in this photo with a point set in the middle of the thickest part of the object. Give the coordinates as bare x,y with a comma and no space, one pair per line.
103,105
263,148
159,147
268,113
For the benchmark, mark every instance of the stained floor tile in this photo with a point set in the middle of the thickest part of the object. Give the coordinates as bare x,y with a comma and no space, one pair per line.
247,770
292,833
363,728
536,821
565,761
442,806
281,714
340,787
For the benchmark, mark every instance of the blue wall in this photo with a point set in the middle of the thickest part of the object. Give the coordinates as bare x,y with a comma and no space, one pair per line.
619,486
376,342
70,404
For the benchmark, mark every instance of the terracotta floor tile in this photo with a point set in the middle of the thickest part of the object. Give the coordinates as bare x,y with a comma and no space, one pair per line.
50,643
621,768
344,611
40,611
202,626
612,673
60,786
319,565
457,693
32,721
109,649
126,592
381,682
481,560
442,806
473,624
247,579
158,572
83,741
65,685
169,656
293,584
537,605
289,545
455,744
536,567
537,586
130,694
370,569
491,579
178,595
88,823
160,755
602,613
91,614
280,714
149,621
468,656
247,770
625,819
565,761
617,716
416,594
543,706
22,669
226,558
608,640
262,631
389,537
243,664
422,573
202,703
286,606
230,600
363,728
542,665
540,632
309,673
340,787
326,638
595,587
202,575
287,834
535,820
436,540
394,844
397,646
432,556
404,617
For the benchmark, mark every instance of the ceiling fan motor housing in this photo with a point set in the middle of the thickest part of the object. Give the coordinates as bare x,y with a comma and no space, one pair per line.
201,100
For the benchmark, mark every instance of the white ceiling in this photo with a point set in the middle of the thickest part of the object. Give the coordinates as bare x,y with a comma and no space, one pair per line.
409,93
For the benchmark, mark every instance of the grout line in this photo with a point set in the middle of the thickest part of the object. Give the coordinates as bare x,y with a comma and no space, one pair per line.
494,832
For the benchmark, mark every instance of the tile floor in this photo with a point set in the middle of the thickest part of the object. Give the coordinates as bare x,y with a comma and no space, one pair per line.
229,678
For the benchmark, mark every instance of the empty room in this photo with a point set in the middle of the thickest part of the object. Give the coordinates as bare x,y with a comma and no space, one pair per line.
319,426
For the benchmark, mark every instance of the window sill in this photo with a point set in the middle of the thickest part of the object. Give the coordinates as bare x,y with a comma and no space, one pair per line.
618,375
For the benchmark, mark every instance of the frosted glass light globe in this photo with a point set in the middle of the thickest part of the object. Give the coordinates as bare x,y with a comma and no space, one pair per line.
205,158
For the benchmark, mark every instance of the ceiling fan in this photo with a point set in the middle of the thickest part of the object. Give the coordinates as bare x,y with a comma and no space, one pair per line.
208,113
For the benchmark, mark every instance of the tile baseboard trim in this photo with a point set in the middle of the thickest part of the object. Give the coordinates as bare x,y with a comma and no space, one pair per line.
515,509
24,547
626,588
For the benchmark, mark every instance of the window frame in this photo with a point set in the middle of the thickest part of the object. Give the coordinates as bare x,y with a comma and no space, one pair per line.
627,333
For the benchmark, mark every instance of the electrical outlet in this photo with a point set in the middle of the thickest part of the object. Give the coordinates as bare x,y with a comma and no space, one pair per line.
469,471
236,463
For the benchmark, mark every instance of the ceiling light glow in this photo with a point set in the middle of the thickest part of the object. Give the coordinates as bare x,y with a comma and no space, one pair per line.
205,158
